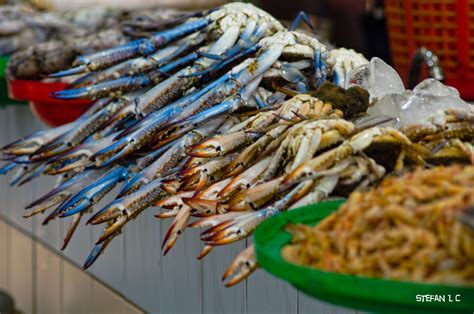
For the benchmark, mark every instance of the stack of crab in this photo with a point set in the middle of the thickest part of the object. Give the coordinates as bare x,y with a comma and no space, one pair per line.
230,118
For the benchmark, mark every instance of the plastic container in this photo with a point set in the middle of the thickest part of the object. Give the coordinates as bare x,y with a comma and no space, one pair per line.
49,110
368,294
442,26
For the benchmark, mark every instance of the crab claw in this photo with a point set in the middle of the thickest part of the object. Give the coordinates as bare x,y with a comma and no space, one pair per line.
78,157
174,204
236,228
223,144
63,191
109,212
254,197
172,132
96,252
171,186
31,143
201,207
176,228
93,193
174,201
113,228
243,266
168,214
70,231
52,149
244,180
130,205
213,220
205,250
72,71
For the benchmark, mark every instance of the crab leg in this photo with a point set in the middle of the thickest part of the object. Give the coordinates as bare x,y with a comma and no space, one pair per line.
135,48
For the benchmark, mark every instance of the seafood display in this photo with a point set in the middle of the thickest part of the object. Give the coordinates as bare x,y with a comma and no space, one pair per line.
95,30
410,228
227,118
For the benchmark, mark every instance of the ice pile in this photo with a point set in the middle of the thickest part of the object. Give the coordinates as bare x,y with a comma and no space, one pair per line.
407,107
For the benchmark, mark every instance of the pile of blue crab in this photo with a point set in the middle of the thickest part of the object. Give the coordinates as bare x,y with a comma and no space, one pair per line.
227,118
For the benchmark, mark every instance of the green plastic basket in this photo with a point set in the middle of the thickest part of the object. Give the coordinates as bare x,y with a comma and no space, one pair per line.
369,294
4,99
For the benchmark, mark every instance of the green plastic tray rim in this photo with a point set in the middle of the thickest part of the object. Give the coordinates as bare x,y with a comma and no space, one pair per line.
372,294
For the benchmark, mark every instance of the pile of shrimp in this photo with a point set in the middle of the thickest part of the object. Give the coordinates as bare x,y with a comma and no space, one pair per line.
410,228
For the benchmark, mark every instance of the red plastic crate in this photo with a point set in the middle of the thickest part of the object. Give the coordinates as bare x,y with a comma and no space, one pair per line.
446,27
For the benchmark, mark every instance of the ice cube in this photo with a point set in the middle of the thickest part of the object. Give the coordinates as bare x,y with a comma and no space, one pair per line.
435,88
378,78
439,97
414,110
389,105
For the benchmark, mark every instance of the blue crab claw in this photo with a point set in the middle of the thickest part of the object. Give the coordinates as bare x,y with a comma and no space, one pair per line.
9,166
92,193
104,89
96,252
110,212
72,71
112,229
31,143
70,231
79,157
55,148
78,207
64,191
55,213
300,17
61,193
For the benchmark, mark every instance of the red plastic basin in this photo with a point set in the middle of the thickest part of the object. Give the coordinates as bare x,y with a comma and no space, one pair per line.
49,110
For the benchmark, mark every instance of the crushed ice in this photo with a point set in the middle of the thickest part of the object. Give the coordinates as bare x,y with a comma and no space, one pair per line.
424,102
